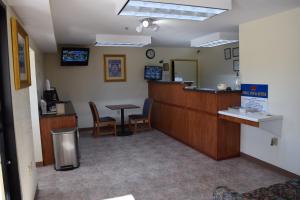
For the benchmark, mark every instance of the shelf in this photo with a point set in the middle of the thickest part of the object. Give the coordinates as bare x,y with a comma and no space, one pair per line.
268,122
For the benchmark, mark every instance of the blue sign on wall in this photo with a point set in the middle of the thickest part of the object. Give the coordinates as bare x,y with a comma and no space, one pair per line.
255,90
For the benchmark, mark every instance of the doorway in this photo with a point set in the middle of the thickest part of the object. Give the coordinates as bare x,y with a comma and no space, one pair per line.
185,70
8,151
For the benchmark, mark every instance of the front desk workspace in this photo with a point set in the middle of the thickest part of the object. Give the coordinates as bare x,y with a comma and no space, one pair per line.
209,120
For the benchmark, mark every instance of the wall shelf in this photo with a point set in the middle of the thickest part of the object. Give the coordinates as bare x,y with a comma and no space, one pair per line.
268,122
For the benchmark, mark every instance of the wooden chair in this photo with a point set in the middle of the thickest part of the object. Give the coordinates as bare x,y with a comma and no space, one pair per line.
142,121
100,122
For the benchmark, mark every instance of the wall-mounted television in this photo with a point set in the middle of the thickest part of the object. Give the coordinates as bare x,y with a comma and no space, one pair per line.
75,56
153,73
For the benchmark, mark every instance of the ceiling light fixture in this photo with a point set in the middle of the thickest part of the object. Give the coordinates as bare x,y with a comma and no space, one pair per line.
148,23
122,40
215,39
199,10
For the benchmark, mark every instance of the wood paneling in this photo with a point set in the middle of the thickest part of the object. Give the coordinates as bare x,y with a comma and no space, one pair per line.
48,124
203,130
179,127
202,101
228,139
228,100
192,118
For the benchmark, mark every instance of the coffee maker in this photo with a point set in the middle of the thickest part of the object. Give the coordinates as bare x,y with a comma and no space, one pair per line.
51,98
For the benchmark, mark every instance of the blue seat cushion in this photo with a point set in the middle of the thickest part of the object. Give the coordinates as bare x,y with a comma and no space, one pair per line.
137,117
106,119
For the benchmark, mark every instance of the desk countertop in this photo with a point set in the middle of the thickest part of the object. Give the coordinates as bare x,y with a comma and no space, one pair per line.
255,116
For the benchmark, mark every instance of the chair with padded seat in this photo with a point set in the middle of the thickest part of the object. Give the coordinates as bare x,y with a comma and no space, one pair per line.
101,122
141,121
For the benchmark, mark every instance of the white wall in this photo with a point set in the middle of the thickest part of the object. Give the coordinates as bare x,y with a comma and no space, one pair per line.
34,109
270,54
214,69
23,126
83,84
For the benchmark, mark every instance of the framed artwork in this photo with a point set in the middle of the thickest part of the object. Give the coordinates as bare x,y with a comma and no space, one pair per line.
20,48
227,53
114,68
235,52
236,65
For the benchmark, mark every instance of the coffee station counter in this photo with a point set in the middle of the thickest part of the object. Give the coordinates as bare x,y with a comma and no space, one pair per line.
52,121
68,107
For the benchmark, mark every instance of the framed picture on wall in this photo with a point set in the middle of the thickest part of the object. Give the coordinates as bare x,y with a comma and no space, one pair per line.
114,68
20,48
236,65
227,53
235,52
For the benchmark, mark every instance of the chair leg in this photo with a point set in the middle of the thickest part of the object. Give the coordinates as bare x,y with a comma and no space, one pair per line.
135,126
98,131
129,124
94,130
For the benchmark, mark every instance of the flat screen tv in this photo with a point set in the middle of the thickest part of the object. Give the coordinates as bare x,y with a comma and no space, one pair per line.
75,56
153,73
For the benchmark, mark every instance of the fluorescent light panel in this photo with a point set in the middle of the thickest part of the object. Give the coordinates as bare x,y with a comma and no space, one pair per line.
140,8
217,43
215,39
113,44
122,40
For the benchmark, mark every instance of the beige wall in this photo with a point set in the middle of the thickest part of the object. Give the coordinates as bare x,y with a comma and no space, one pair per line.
214,69
22,123
269,51
83,84
40,72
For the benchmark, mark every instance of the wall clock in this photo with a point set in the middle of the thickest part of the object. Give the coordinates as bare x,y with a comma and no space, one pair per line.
150,53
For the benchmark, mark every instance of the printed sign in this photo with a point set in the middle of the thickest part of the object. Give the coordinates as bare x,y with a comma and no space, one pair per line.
255,96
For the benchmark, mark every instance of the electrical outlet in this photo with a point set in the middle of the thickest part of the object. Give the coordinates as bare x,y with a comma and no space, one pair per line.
274,141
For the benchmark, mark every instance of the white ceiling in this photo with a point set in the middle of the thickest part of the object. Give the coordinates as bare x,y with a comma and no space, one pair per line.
36,17
78,21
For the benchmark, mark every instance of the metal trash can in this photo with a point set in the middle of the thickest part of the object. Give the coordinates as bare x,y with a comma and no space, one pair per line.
65,148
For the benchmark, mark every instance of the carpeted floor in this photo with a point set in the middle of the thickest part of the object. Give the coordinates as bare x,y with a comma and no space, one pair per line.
151,166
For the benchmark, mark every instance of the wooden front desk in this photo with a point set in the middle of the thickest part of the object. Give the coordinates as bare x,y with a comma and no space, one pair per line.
191,116
50,122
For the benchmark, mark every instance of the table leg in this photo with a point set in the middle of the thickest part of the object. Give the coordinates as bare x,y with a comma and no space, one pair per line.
123,132
122,122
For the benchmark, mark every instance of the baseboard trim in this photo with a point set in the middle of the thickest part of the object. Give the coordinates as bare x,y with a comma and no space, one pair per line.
36,192
86,129
270,166
39,164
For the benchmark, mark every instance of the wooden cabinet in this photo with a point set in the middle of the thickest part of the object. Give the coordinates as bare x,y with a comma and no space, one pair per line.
192,118
50,122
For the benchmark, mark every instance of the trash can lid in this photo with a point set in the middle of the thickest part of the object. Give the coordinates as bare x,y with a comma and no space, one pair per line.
64,131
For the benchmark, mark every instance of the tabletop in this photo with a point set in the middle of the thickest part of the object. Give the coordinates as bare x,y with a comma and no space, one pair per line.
122,106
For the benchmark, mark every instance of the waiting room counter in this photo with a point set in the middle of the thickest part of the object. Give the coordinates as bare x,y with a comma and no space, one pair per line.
191,116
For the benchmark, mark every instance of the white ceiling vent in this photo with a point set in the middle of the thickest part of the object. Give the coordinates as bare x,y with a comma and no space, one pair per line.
215,39
199,10
122,40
